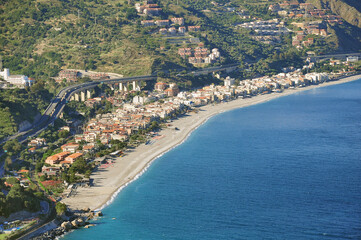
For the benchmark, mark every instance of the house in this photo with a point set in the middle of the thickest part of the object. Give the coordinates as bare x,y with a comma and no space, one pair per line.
70,147
182,30
88,148
172,91
160,86
56,158
148,23
185,52
152,11
179,21
71,158
172,31
352,59
32,150
50,171
37,142
194,28
160,23
229,81
163,31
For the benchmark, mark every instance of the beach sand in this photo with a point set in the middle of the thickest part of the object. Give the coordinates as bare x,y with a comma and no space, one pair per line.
109,181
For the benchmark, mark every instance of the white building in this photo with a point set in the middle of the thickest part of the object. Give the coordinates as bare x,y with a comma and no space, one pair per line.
229,81
352,59
18,80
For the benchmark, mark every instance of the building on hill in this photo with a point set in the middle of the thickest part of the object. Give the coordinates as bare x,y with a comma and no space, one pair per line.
71,158
160,86
172,31
70,147
182,30
229,81
147,23
152,11
17,80
37,142
160,23
172,91
194,28
50,171
163,31
179,21
56,158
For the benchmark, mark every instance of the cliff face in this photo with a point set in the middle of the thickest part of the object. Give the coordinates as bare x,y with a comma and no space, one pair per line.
347,9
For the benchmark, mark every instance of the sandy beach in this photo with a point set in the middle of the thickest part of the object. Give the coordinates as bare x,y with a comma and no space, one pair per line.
109,181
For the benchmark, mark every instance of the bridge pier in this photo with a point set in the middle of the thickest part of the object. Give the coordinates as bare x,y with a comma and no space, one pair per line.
76,97
136,86
72,98
88,94
82,96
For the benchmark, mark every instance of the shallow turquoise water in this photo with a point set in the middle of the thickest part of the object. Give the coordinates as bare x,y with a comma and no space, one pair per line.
286,169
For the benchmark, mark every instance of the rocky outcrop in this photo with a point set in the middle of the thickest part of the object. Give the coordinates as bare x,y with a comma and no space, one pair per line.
348,12
66,225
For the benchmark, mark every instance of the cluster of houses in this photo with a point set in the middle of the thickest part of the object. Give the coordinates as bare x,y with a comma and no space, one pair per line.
314,27
270,27
304,10
172,26
54,163
20,81
301,40
124,121
249,87
199,55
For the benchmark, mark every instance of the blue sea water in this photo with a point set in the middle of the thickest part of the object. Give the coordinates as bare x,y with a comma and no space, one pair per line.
286,169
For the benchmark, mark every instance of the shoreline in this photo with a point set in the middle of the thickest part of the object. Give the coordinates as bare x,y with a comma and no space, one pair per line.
109,182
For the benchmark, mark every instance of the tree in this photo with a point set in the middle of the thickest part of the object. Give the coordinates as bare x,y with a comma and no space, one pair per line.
131,13
63,134
12,147
60,208
154,125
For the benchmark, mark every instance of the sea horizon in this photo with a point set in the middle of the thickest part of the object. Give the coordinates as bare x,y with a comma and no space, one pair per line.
189,144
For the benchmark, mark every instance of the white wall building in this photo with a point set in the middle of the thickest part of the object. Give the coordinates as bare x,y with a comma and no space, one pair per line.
18,80
229,81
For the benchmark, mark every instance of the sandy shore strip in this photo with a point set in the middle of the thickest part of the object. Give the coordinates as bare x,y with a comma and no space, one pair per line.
109,181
